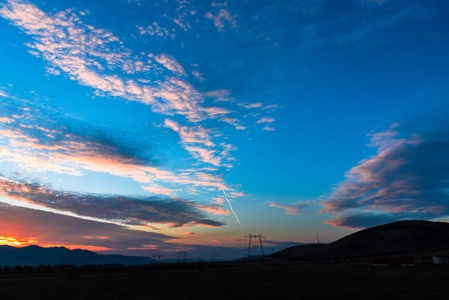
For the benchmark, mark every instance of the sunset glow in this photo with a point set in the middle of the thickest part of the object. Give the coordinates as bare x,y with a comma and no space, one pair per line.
12,241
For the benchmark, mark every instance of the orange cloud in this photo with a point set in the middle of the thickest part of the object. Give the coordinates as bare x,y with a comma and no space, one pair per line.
213,209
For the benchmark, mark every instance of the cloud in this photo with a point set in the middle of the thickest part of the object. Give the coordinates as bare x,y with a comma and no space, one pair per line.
235,122
206,155
96,58
220,96
266,120
213,209
7,120
124,210
31,226
223,17
365,220
170,63
33,142
154,29
251,105
191,135
156,189
295,209
39,144
407,178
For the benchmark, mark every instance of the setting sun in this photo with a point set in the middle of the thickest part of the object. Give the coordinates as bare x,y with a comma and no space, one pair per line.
12,241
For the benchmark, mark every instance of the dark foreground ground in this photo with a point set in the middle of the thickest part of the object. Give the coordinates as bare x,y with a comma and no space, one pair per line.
250,280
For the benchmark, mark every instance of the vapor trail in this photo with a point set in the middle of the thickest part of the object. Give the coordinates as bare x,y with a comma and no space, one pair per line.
226,196
58,111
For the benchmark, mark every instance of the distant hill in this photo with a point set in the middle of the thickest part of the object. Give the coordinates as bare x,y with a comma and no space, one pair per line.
35,255
402,237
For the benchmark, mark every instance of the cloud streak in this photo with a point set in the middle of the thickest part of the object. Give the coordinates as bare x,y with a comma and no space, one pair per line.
34,143
407,178
294,209
50,229
123,210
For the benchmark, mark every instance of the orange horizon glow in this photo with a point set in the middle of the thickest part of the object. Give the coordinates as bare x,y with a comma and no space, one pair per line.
24,242
16,242
82,247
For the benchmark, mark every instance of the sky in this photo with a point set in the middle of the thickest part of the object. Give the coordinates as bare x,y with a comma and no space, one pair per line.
145,127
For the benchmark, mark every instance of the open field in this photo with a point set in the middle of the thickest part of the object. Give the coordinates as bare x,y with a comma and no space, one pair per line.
248,280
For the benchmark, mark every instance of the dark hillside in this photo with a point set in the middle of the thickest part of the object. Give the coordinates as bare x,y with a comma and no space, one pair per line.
402,237
35,255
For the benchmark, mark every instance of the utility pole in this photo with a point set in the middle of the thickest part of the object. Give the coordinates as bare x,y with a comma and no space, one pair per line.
255,236
317,238
157,257
182,253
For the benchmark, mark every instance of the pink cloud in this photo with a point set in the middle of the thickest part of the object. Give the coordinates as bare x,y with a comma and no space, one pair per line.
223,17
266,120
170,63
191,135
213,209
66,43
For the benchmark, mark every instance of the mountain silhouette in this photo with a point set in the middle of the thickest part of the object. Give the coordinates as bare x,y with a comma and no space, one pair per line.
397,238
35,256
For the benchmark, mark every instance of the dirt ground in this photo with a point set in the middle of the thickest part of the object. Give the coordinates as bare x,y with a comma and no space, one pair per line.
246,280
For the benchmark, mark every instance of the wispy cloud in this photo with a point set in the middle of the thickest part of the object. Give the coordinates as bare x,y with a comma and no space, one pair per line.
96,58
222,18
406,179
170,63
266,120
205,155
191,135
196,138
154,29
114,209
251,105
49,229
35,143
294,209
157,189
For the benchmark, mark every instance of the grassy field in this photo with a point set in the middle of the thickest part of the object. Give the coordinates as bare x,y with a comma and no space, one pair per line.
247,280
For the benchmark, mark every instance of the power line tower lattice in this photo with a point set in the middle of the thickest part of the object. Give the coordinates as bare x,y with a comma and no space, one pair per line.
182,253
157,257
255,236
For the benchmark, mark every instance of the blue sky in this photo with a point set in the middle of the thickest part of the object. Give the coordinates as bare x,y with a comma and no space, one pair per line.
132,119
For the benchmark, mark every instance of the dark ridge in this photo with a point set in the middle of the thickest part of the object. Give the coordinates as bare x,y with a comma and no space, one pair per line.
35,256
397,238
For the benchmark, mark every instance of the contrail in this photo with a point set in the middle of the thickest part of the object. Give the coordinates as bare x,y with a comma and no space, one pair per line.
226,196
58,111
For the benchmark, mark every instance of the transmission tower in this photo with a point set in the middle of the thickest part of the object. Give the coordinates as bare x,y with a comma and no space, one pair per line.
157,257
255,236
182,253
